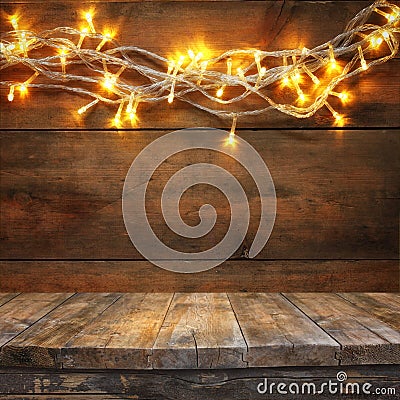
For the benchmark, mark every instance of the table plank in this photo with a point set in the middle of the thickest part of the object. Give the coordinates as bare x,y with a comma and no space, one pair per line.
385,306
200,331
24,310
120,337
61,194
40,346
6,297
267,25
278,334
364,338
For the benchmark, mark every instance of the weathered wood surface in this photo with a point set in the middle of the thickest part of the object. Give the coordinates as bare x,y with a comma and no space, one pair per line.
362,336
6,297
22,311
42,343
232,276
278,333
122,336
195,331
338,194
238,384
384,307
199,331
270,25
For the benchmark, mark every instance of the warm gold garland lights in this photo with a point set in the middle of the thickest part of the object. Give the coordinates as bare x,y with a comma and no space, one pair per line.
54,55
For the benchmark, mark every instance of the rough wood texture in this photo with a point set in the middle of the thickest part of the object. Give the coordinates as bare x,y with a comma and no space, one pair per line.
233,276
364,338
22,311
338,197
6,297
199,331
269,25
194,331
278,333
42,343
122,336
384,307
238,384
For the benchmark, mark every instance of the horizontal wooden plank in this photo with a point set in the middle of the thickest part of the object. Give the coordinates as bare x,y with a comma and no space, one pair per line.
41,345
24,310
266,25
278,334
240,384
61,194
6,297
233,276
199,331
120,337
381,305
364,339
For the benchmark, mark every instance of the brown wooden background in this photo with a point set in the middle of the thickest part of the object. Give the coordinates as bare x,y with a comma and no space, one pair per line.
337,226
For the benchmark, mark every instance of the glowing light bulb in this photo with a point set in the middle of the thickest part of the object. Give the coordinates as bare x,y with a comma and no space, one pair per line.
89,19
85,108
257,59
23,90
10,96
117,118
178,65
376,41
332,60
344,96
14,22
229,66
231,138
311,75
389,17
285,81
385,34
364,65
63,53
263,71
106,37
220,91
109,81
82,36
336,115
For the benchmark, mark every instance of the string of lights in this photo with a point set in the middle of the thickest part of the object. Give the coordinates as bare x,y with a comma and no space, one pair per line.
66,59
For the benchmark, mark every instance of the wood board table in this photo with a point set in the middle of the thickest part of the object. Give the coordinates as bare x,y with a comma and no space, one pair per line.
192,345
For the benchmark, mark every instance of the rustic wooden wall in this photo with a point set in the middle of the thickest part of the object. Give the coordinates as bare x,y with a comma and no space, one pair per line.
337,226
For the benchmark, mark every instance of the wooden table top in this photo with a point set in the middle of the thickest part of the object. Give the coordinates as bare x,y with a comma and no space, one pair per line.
198,330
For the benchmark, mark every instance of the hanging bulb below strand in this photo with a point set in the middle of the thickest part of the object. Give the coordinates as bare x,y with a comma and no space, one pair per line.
231,138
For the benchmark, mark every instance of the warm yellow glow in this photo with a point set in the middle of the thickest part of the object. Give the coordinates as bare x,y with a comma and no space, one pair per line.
109,81
257,59
285,81
332,60
117,118
89,19
376,41
82,36
14,21
311,75
364,65
385,34
23,90
107,36
336,115
344,96
231,138
63,53
389,17
229,66
220,91
296,76
11,93
85,108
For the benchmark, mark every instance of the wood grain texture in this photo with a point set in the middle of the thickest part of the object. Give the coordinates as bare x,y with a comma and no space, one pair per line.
240,384
364,338
338,195
6,297
384,307
120,337
199,331
42,343
268,25
278,334
22,311
233,276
